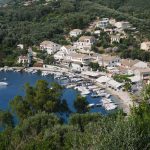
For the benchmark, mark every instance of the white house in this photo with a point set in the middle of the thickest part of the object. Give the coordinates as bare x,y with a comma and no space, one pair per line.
143,73
109,61
122,25
50,47
64,52
115,38
84,42
60,55
103,23
141,64
67,49
80,58
75,32
145,46
21,46
97,32
23,59
112,21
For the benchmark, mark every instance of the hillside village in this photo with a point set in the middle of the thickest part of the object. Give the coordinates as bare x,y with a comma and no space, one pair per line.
75,74
83,55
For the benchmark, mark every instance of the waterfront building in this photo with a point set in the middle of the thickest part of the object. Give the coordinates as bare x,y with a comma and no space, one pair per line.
23,60
143,73
109,61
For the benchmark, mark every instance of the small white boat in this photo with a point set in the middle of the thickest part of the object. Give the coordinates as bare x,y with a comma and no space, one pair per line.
99,105
108,95
34,71
3,83
85,92
110,106
102,94
91,105
1,69
94,95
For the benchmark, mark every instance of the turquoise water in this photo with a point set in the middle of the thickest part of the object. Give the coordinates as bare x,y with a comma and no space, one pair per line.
17,80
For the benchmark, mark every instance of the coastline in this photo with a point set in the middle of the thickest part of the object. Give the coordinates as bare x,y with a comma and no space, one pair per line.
122,99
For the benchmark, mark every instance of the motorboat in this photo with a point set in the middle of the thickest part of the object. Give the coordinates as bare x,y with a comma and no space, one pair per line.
95,95
3,84
99,105
91,105
108,95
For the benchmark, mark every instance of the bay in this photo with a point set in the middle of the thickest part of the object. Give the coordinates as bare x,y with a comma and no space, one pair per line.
16,81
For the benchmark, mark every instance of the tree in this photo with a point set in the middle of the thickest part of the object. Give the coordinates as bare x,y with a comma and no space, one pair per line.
39,98
6,119
81,104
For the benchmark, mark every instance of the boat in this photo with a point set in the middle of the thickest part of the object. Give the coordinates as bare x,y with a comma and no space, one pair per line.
34,71
110,106
63,78
102,94
71,85
95,95
91,105
3,83
85,92
45,73
108,95
1,69
106,101
99,105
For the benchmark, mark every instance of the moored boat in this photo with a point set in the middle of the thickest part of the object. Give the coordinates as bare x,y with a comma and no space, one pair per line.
3,83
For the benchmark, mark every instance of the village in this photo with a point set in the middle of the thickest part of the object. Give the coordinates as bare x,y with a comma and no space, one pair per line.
124,78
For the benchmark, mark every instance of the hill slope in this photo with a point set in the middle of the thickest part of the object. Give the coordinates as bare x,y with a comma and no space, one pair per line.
138,8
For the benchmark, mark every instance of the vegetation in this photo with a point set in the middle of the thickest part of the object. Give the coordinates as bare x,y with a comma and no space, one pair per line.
35,23
39,125
81,105
96,67
124,79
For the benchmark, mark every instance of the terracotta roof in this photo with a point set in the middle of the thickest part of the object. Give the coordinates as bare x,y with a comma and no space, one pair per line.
143,70
68,46
128,62
77,55
108,57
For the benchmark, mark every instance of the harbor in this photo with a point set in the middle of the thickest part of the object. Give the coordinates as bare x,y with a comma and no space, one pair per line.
100,100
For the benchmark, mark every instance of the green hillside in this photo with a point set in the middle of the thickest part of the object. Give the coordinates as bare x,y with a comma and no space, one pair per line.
31,25
138,8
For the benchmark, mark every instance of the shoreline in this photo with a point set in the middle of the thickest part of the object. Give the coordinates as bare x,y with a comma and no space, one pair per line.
122,99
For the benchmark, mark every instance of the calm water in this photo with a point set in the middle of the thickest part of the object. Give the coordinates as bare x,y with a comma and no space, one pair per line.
17,80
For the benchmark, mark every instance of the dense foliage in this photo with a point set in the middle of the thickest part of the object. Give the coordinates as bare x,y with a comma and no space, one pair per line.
37,22
40,127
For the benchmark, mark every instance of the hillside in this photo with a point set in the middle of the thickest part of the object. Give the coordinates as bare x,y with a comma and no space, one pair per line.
137,8
31,24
